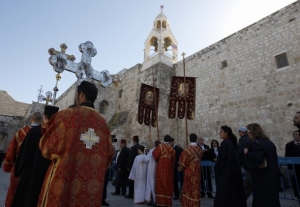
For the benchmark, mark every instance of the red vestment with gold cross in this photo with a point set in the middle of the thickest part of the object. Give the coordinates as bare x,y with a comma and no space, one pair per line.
76,174
9,163
189,162
164,154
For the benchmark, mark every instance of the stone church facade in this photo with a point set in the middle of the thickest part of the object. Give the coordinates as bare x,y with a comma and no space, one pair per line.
250,76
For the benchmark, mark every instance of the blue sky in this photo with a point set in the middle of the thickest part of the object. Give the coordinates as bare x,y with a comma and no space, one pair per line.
117,28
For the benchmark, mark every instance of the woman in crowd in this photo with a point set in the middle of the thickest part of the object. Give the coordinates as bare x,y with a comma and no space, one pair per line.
214,150
230,190
261,159
213,153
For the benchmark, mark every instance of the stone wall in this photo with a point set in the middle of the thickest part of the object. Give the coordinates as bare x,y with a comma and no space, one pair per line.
8,128
251,88
130,83
67,98
34,107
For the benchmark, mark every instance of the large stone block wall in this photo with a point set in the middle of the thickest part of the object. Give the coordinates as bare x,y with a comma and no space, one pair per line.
251,88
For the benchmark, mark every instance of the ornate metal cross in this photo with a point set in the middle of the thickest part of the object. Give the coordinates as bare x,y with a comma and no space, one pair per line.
89,138
48,97
83,70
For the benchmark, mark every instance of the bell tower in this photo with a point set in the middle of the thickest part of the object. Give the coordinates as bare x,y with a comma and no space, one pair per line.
161,45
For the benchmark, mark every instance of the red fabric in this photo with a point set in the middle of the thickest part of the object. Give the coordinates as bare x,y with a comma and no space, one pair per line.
147,111
177,95
76,174
9,163
164,154
189,162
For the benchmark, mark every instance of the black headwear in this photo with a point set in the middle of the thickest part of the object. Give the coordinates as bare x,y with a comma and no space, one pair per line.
50,110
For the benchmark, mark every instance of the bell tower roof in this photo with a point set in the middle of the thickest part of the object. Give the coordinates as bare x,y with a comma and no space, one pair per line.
161,45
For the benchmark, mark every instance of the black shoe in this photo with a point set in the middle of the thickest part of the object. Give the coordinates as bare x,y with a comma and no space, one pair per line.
176,198
210,196
150,204
129,196
104,203
115,193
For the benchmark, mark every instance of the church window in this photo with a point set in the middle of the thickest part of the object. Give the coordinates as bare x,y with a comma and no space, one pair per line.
224,64
103,107
164,24
120,93
158,24
154,43
167,43
281,60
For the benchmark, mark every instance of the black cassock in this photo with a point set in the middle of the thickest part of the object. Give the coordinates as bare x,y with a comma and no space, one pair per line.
230,190
31,167
265,182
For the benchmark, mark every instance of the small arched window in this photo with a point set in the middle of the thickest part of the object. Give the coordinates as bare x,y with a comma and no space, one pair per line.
164,24
158,24
103,107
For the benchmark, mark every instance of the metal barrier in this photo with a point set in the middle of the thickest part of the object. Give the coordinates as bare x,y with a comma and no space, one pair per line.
289,184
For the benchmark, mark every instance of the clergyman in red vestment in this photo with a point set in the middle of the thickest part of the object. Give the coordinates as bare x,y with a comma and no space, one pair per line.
189,162
164,154
78,141
12,153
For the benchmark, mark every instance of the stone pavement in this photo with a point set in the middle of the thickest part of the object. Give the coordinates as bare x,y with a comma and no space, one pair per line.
115,201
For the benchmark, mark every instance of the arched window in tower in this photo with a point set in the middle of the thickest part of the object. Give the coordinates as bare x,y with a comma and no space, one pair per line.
168,50
103,107
158,24
153,45
167,43
164,24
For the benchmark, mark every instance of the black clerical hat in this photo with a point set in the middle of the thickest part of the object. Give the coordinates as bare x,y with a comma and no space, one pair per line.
50,109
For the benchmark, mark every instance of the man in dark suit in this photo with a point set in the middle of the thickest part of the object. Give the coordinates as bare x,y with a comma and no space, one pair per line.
133,153
177,156
122,172
206,184
292,149
244,142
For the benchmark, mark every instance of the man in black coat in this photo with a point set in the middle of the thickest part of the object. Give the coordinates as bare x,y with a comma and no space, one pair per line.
31,166
206,184
133,153
244,142
292,149
122,172
177,156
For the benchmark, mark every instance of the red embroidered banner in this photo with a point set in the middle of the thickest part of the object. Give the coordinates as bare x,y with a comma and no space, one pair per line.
177,95
147,104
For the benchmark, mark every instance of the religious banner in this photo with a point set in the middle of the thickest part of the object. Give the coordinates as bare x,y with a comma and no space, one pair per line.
147,105
177,95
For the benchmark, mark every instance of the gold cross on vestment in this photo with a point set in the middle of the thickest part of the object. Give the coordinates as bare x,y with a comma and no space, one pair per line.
89,138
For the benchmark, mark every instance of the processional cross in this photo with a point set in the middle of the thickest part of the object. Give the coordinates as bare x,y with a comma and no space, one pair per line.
83,70
48,97
89,138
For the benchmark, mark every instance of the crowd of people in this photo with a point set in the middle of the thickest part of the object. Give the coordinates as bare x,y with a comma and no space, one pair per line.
64,159
253,151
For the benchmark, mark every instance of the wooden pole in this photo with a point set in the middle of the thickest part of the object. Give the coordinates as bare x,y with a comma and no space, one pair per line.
185,108
150,137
